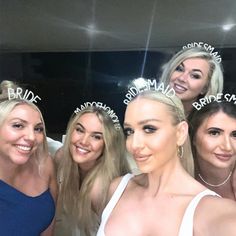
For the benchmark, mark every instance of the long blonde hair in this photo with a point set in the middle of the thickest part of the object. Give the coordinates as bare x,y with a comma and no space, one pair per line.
176,109
75,194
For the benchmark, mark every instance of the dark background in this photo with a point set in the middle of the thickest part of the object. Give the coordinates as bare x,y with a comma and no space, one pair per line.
66,80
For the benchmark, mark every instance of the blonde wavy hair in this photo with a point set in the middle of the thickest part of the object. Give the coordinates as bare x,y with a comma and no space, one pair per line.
215,74
75,194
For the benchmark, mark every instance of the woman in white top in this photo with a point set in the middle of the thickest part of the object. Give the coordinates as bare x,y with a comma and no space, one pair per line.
165,199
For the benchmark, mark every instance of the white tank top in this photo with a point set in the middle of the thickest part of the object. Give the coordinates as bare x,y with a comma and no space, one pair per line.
186,227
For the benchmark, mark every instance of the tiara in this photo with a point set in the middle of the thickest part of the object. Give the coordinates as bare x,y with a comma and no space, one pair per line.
220,97
207,47
141,84
20,94
104,107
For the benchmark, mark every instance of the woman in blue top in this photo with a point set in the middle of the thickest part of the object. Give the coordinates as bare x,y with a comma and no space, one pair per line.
28,186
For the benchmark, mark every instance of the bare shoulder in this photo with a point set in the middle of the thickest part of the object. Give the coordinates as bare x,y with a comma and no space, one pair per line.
114,184
217,216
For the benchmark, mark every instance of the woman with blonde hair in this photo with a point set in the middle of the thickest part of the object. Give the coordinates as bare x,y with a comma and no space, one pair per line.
193,73
28,188
164,194
93,155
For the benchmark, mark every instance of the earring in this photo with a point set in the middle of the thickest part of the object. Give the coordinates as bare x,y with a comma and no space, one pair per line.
180,152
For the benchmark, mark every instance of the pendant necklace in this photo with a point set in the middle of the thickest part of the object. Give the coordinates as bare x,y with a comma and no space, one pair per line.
216,185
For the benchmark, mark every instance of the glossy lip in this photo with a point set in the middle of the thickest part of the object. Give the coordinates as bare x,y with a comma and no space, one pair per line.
223,156
179,88
141,158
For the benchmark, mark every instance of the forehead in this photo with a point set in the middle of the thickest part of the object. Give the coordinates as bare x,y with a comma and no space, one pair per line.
219,119
143,108
90,120
196,63
26,112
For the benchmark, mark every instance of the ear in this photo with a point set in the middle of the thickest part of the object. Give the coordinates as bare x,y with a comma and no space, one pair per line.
182,133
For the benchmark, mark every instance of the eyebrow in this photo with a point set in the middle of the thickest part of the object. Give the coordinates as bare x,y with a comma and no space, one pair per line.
142,122
93,132
215,128
195,70
24,121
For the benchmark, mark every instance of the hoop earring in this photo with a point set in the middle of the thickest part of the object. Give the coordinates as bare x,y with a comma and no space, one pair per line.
180,152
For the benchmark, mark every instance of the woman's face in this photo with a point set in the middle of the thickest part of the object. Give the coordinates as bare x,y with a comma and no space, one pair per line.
21,134
151,137
215,140
190,79
87,141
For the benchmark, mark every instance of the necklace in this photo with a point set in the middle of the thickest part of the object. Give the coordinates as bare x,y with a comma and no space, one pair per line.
216,185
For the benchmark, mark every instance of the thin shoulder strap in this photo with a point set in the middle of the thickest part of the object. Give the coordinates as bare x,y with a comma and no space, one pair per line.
115,198
186,227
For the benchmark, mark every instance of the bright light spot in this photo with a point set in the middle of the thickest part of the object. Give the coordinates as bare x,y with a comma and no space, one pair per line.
91,29
228,27
140,83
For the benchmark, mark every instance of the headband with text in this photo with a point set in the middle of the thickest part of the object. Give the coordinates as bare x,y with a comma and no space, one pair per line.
19,93
207,47
104,107
220,97
141,84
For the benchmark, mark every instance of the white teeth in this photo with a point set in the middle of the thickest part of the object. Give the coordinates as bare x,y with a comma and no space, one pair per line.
82,150
24,148
180,87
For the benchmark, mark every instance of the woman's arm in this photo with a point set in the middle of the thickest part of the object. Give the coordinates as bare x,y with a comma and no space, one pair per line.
216,216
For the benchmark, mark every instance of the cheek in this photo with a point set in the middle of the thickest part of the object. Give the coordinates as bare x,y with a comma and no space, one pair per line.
74,136
205,145
40,138
173,76
197,85
98,148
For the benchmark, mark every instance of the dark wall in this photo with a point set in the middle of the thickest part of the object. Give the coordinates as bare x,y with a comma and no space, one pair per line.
66,80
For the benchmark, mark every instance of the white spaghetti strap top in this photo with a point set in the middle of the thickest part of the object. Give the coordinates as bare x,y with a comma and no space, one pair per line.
112,203
186,227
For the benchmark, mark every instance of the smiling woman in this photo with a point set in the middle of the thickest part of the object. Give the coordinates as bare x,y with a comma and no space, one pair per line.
28,186
92,156
193,73
156,131
213,138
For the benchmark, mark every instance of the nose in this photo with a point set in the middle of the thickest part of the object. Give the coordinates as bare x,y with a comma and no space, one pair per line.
226,143
84,139
136,142
183,76
30,134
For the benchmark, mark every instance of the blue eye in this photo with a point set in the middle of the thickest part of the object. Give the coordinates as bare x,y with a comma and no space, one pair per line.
128,132
179,68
